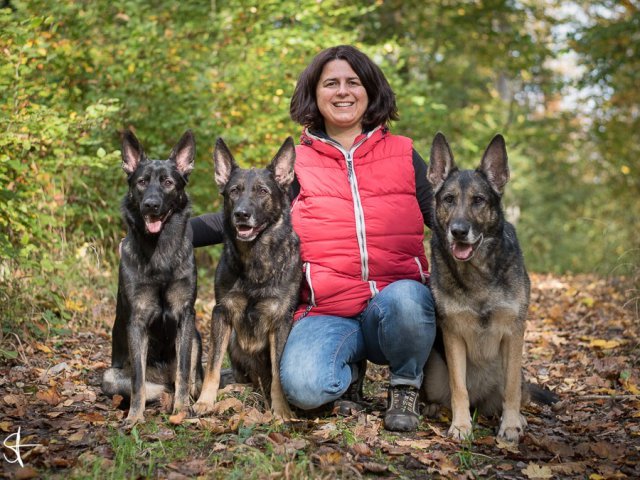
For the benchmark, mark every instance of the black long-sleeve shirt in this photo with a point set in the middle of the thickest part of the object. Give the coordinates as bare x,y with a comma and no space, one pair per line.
207,229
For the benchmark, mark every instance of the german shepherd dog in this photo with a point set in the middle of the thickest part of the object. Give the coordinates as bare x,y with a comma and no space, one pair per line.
257,279
155,345
481,290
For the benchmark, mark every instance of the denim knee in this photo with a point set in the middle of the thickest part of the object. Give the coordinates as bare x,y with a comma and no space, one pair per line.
315,365
399,329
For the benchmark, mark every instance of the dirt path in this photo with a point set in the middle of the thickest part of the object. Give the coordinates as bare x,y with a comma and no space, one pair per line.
583,341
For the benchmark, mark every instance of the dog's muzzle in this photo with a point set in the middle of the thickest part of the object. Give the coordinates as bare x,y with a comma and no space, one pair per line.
463,251
247,232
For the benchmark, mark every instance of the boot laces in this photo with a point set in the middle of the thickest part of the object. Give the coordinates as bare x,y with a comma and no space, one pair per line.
403,398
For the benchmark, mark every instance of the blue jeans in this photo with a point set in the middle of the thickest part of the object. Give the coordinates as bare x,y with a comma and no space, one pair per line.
320,357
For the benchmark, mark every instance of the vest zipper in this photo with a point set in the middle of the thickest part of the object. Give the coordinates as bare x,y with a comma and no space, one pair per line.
357,202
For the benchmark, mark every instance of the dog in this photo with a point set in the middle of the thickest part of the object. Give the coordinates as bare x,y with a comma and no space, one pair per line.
156,347
258,277
481,290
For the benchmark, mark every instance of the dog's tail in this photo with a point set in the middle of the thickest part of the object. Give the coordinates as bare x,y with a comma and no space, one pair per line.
541,395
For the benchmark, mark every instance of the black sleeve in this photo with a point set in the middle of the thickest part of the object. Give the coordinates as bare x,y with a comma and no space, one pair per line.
206,229
424,193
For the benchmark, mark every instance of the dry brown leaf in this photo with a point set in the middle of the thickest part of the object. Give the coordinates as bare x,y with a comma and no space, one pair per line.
375,467
116,401
362,449
26,473
92,417
419,444
50,396
535,471
229,403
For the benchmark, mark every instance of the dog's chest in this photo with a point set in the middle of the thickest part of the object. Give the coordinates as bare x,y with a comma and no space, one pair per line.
489,311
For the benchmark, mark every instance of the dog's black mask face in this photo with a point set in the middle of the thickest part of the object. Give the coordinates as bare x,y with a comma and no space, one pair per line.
156,187
467,202
254,198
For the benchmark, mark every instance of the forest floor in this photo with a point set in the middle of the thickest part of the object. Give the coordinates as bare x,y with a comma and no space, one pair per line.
582,342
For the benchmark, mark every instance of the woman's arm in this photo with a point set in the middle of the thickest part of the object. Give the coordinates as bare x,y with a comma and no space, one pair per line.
206,229
424,193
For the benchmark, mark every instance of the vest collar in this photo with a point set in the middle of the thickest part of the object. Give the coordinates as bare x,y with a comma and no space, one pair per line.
321,142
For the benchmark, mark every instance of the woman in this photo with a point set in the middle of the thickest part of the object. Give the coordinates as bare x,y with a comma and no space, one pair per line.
360,202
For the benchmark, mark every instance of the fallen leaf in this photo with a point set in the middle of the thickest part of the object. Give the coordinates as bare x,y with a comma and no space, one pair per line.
605,344
375,467
50,396
362,449
508,446
229,403
76,437
26,473
534,471
419,444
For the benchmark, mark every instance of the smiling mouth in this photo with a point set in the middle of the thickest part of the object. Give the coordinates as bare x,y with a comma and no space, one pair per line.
154,223
248,233
343,104
463,251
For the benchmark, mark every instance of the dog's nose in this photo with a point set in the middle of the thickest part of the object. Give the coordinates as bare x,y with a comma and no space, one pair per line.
152,204
459,229
241,215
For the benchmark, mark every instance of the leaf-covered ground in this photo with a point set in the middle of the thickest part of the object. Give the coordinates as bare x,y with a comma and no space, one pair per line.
583,342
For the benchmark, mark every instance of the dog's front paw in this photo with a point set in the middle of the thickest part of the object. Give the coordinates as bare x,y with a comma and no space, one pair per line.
512,427
283,413
133,419
431,410
202,408
461,431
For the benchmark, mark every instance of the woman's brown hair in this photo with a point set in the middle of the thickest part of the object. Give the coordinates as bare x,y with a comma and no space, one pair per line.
382,101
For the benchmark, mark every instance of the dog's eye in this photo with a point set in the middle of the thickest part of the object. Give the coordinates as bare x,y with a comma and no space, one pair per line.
449,199
478,200
142,182
168,182
233,190
263,191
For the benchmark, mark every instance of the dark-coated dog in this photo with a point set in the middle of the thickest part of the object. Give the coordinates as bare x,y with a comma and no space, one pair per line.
258,278
481,289
155,345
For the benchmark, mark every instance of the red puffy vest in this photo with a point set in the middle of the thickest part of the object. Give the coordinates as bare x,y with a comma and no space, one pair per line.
358,219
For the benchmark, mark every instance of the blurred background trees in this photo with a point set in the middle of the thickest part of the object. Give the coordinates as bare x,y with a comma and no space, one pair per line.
558,79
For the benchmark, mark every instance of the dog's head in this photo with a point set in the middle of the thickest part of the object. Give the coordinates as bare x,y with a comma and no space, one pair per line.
253,198
467,203
156,187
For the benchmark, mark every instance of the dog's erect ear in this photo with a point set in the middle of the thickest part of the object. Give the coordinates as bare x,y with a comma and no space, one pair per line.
282,164
494,164
132,153
184,153
441,162
223,162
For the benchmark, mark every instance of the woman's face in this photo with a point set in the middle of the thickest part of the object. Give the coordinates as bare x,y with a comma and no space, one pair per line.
341,98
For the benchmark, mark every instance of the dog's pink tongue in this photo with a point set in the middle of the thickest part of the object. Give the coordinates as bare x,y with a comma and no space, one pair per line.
154,227
462,251
244,231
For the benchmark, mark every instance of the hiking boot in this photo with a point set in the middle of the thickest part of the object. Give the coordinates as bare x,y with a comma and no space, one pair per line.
402,409
349,402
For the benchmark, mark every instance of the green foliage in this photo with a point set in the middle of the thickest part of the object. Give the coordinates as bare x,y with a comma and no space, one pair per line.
74,74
